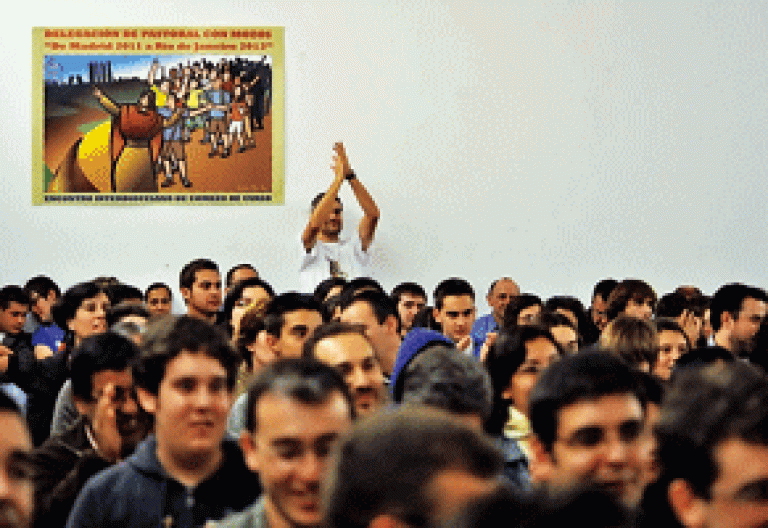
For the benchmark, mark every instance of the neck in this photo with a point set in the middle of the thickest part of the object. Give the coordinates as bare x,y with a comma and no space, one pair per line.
211,318
189,469
498,318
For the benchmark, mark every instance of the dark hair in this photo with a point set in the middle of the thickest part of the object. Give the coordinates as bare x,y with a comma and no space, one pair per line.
409,288
66,307
672,305
586,376
635,340
729,298
704,408
328,330
116,313
305,380
238,267
573,305
118,293
664,324
274,316
324,288
95,354
380,303
425,318
224,317
604,288
505,357
517,305
157,286
651,387
418,445
9,294
8,405
444,378
453,287
169,336
358,285
318,197
550,320
187,275
42,285
628,289
152,98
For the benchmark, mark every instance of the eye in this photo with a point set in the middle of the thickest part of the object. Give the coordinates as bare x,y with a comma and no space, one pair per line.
218,385
630,431
186,384
587,437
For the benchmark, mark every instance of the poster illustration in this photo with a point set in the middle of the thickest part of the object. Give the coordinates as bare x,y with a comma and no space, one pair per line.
158,116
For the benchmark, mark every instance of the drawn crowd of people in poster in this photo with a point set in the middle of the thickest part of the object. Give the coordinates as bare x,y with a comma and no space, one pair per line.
158,124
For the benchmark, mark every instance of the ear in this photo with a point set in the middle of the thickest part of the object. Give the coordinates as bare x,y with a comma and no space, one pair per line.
147,400
436,315
83,407
506,394
386,521
271,342
185,294
541,464
250,450
688,508
391,322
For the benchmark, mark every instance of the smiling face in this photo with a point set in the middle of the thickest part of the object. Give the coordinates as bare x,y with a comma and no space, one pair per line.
290,449
90,317
598,441
190,407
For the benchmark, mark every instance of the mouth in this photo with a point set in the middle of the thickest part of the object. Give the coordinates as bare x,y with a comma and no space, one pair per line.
11,518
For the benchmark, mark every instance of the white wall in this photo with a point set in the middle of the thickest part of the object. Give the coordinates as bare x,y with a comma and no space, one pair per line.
557,143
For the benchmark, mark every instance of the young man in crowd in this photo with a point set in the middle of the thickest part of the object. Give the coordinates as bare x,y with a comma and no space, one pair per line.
455,312
409,299
200,285
344,347
736,313
587,418
186,473
108,428
713,447
599,306
409,468
46,335
158,299
324,253
376,313
297,411
16,474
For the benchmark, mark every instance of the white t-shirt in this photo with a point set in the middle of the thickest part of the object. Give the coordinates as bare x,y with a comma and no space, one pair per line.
345,258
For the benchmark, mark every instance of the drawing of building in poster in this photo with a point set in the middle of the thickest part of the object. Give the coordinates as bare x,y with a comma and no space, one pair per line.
158,116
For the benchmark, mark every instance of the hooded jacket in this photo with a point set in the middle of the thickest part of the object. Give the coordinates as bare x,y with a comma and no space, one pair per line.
140,493
413,344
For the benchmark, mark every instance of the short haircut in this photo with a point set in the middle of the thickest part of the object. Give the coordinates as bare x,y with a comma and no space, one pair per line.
329,330
12,293
407,288
157,286
672,305
386,464
453,287
187,275
42,285
359,284
66,307
233,269
586,376
444,378
704,408
551,320
635,340
517,305
573,305
116,313
318,197
664,324
95,354
380,303
274,316
729,298
118,293
505,357
627,289
169,336
494,283
305,380
604,288
324,288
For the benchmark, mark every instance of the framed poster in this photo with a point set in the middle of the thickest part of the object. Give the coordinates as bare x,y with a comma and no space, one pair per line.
158,116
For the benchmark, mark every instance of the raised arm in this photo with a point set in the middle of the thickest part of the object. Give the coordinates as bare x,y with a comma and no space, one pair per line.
152,72
371,211
324,208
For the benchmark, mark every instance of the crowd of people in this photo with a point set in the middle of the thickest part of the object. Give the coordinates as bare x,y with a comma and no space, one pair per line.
356,407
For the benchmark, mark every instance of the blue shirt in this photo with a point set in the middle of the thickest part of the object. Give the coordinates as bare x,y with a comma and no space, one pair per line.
480,330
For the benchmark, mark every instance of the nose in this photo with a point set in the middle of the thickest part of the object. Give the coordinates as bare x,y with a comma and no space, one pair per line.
358,378
311,468
616,452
